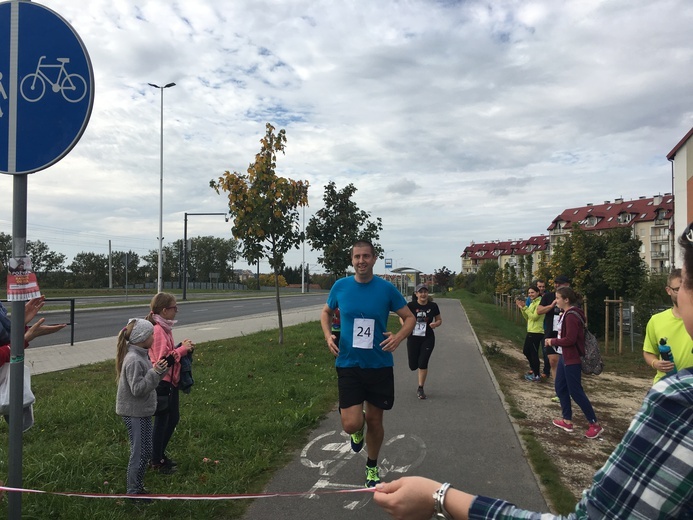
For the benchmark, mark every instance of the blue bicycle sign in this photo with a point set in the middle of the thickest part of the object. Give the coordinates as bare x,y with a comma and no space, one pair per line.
73,87
46,87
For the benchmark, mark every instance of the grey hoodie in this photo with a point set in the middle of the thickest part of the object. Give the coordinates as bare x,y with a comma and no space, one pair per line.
138,381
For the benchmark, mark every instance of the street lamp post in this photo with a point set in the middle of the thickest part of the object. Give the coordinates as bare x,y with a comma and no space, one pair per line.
185,248
160,279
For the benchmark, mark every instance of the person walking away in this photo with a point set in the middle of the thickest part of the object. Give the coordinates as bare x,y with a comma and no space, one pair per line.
162,314
570,345
422,340
364,361
669,325
535,331
136,398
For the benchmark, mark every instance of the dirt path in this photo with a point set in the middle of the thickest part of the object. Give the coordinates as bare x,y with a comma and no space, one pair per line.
615,399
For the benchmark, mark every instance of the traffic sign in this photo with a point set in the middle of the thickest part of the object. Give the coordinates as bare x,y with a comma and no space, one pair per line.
46,87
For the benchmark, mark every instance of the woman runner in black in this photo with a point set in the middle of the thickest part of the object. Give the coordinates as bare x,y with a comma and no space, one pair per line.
421,341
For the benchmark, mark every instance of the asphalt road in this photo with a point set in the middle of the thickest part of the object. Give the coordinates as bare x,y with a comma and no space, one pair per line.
106,322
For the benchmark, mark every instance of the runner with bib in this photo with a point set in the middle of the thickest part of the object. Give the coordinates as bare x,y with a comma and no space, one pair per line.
422,340
364,352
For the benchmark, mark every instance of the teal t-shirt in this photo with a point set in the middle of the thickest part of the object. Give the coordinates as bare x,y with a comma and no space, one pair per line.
364,309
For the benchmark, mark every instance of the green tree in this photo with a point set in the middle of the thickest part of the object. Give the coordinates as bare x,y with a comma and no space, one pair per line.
43,260
170,263
621,268
506,281
334,229
485,280
600,266
543,271
90,270
293,275
650,299
264,209
118,265
529,269
210,254
521,269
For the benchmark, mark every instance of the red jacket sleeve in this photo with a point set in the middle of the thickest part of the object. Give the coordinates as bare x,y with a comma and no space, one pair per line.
4,354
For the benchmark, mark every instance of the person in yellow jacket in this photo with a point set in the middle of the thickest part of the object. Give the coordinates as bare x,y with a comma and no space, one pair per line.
535,331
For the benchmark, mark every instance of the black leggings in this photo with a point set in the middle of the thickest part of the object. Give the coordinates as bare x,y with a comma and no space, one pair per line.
164,426
419,351
531,350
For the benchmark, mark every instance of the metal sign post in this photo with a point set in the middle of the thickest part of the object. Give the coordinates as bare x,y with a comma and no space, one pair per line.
46,98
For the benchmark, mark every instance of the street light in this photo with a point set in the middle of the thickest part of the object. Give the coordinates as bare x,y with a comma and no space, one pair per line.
185,248
160,279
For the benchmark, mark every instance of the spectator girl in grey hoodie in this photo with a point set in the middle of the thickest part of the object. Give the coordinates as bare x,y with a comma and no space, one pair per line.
136,398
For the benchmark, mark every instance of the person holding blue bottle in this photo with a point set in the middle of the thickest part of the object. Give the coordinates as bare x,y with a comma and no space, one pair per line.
668,325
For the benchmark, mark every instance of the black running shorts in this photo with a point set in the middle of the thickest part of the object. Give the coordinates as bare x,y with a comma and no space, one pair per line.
375,385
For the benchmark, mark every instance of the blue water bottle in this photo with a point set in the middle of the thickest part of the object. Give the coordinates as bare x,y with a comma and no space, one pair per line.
665,353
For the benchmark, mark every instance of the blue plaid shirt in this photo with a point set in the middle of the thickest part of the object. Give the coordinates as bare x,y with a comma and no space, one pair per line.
648,476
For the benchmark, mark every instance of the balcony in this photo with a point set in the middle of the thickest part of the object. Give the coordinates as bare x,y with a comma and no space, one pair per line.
659,255
658,239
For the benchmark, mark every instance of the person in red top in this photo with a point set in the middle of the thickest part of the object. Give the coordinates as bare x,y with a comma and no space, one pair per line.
162,315
570,344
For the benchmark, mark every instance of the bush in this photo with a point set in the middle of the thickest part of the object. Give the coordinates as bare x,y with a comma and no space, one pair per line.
493,349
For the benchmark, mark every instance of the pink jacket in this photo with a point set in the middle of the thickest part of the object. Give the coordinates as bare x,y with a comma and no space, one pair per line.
162,347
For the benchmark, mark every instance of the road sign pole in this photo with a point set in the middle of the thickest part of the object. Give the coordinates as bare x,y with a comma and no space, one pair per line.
14,458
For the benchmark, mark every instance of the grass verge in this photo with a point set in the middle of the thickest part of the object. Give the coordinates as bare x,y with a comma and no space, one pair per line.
246,389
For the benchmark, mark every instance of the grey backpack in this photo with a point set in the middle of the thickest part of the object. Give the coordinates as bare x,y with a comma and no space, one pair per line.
591,359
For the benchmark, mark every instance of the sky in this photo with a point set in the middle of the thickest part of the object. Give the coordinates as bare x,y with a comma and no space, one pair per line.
456,121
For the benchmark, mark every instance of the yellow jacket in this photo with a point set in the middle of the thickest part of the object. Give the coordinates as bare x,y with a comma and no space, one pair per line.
535,321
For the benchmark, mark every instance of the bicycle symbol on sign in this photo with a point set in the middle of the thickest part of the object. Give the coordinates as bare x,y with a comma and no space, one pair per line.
73,87
330,452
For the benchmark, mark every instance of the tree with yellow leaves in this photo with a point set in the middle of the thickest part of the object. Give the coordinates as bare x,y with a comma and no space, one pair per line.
264,209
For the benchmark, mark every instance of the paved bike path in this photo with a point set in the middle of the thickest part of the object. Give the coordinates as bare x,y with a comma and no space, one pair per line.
462,434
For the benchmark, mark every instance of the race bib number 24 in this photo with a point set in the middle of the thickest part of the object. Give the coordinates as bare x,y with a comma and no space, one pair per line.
363,333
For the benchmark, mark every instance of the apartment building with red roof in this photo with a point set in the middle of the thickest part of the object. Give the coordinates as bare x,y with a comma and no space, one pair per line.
650,220
503,252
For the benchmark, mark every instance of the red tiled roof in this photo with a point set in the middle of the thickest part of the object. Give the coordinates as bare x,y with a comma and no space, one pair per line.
606,216
492,250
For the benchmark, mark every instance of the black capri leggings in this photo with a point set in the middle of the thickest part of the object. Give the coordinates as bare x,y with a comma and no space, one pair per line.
419,351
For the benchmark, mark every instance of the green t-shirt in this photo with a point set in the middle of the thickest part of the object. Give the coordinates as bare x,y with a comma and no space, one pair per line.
666,325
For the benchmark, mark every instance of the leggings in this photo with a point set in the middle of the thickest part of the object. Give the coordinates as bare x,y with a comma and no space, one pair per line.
569,385
165,425
531,350
140,436
419,350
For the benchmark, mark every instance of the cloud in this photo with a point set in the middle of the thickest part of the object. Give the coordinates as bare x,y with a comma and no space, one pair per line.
456,121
